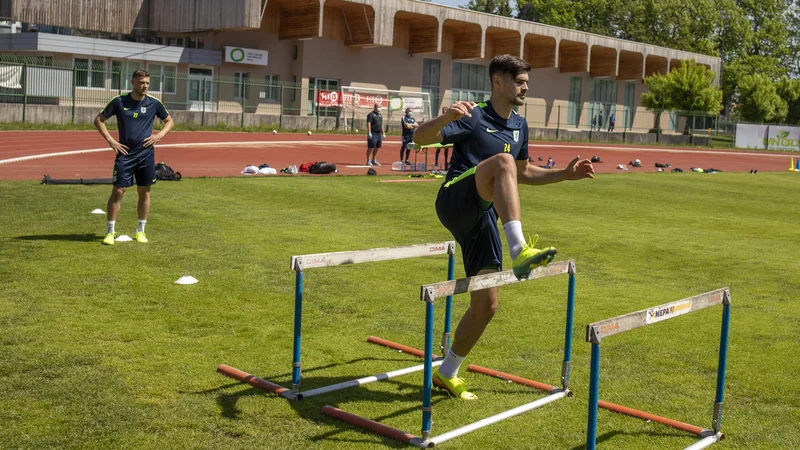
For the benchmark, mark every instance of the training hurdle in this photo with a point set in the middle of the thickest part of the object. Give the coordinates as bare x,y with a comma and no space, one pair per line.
428,294
596,331
302,262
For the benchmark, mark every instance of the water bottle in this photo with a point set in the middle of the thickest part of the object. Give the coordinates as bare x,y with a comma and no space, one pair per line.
294,169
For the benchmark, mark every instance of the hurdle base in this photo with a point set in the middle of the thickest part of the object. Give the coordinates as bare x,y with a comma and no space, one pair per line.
255,381
472,367
707,441
694,429
416,441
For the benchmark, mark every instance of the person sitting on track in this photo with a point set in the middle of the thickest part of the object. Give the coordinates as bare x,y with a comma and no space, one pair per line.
490,158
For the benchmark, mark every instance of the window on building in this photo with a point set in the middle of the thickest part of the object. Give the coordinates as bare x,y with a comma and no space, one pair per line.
195,42
471,82
118,72
602,100
241,89
271,89
90,73
574,105
630,105
162,78
431,75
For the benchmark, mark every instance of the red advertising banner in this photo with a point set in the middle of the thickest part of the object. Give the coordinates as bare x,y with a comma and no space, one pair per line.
326,99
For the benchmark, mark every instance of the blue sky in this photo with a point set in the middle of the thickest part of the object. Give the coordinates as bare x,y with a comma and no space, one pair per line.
452,2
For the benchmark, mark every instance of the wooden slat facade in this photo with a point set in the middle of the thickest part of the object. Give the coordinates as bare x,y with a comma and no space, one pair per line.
184,16
540,51
125,16
113,16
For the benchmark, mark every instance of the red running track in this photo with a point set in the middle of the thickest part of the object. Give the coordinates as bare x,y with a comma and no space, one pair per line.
218,154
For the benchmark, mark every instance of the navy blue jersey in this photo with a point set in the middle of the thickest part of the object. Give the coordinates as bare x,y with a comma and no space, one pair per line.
375,122
410,121
135,119
482,136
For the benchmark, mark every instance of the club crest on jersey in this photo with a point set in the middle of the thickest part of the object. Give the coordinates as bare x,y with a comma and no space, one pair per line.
144,109
516,135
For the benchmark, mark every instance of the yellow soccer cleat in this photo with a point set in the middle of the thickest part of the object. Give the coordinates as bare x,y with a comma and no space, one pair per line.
109,239
457,387
530,258
141,238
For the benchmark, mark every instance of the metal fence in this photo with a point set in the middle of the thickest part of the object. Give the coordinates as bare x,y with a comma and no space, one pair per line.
39,81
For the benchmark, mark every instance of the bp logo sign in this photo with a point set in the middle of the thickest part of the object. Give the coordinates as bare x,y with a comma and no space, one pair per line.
237,55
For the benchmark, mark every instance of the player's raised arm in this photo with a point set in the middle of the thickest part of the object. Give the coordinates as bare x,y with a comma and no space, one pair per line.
431,131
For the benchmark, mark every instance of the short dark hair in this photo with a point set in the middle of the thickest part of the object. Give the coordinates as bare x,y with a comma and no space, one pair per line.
140,74
508,64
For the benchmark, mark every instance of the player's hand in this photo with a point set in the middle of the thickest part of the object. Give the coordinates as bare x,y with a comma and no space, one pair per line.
459,109
152,140
121,149
369,135
579,169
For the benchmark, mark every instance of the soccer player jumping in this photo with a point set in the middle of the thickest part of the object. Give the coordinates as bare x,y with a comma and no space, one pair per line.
490,159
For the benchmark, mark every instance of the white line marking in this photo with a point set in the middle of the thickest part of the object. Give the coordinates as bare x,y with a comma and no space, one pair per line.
245,143
185,145
656,150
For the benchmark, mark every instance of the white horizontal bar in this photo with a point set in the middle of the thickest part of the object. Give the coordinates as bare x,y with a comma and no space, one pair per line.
626,322
705,442
494,419
366,380
492,280
301,262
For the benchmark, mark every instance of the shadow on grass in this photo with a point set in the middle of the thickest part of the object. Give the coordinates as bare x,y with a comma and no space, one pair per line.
62,237
611,434
310,408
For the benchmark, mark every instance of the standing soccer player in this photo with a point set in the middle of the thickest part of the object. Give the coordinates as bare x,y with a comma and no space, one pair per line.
409,125
375,134
490,158
135,111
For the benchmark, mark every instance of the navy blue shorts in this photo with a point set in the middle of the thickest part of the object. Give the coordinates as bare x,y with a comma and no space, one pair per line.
375,141
473,226
406,140
139,168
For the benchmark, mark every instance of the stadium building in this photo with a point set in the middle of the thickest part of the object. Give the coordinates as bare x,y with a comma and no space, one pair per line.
257,61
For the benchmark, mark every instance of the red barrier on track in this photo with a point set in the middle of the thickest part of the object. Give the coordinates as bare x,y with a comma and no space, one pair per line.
647,416
514,378
371,425
252,380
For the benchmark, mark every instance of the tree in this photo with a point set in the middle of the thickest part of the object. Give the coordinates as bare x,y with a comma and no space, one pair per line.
789,90
759,100
689,88
558,13
498,7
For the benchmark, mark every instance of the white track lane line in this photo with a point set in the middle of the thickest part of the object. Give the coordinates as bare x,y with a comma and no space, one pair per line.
245,143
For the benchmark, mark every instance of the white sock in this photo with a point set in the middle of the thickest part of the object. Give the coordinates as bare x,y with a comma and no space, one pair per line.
516,240
110,226
452,362
140,227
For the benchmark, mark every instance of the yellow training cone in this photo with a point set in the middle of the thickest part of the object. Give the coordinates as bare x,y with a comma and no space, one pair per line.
791,164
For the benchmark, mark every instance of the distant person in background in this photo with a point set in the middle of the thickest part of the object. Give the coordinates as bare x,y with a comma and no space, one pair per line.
375,134
409,125
438,150
611,122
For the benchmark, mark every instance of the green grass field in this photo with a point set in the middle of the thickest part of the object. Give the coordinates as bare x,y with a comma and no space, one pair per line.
99,349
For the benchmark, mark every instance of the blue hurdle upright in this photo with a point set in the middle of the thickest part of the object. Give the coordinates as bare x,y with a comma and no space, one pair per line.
299,264
429,293
597,331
